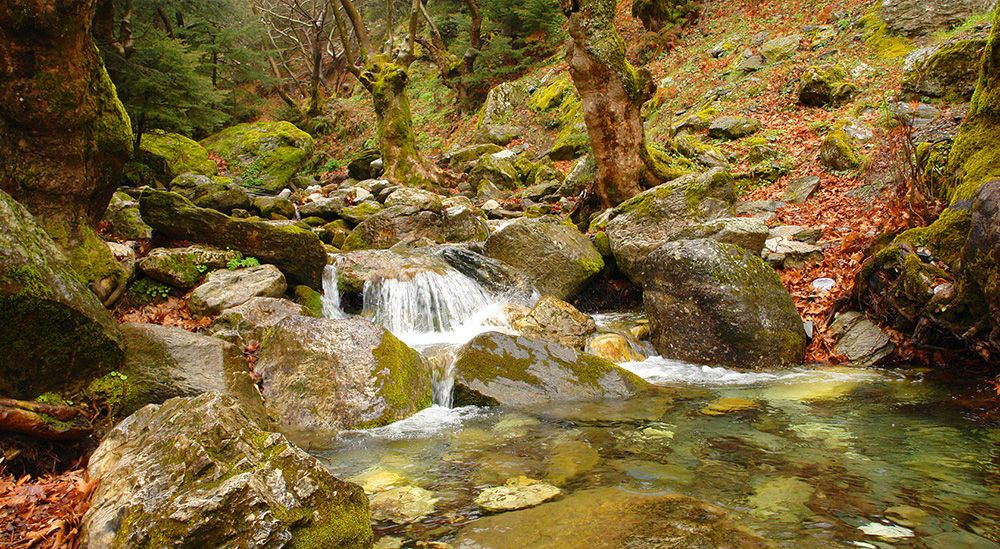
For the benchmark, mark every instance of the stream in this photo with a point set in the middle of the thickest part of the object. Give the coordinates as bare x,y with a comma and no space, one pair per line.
831,457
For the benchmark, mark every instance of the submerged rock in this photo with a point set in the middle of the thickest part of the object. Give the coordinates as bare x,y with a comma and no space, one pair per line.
402,504
517,493
55,334
200,472
712,303
615,518
226,289
553,256
613,347
497,368
320,376
729,405
267,155
297,252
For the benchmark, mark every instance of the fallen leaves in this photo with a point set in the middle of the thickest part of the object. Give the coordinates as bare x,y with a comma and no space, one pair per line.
171,312
44,512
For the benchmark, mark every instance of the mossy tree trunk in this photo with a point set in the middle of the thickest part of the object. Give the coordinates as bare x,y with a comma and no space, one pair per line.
612,93
64,135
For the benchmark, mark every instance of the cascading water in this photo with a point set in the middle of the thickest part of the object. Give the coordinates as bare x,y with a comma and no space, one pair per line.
331,294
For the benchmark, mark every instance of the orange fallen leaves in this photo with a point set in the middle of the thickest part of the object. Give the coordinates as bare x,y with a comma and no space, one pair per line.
171,312
44,512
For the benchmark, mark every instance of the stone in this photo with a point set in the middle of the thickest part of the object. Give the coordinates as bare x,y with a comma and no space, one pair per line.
916,116
782,499
580,177
320,376
947,71
274,206
980,270
494,275
359,167
216,193
56,335
641,224
124,220
729,405
415,198
184,267
733,127
553,256
498,134
615,518
201,472
500,369
614,347
265,155
837,151
226,289
125,255
801,189
297,252
501,103
397,224
359,213
402,504
518,493
779,49
170,155
791,253
751,62
555,320
458,157
746,232
824,85
922,17
498,169
718,304
253,320
860,340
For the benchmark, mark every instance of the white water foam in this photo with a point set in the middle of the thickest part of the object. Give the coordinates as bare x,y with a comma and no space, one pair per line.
664,371
331,294
426,423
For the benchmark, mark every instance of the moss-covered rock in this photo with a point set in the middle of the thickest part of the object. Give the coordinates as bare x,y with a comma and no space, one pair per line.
184,267
837,151
712,303
217,193
949,71
360,165
296,251
310,299
553,256
498,168
500,369
657,14
203,472
824,85
56,335
733,127
916,18
124,220
266,155
398,224
552,94
171,154
320,376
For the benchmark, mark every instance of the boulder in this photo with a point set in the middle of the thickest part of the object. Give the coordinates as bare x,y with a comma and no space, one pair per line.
981,255
837,151
555,320
360,165
788,251
824,85
184,267
496,276
800,189
171,154
56,335
361,212
779,49
226,289
712,303
860,340
254,319
613,347
398,224
553,256
124,220
501,369
266,155
580,177
497,168
517,493
402,504
616,518
748,233
501,103
271,207
415,198
201,472
354,269
320,376
733,127
947,71
458,157
922,17
217,193
296,251
641,224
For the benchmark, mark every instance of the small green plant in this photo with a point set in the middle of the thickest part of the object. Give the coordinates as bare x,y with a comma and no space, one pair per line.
242,263
201,268
146,290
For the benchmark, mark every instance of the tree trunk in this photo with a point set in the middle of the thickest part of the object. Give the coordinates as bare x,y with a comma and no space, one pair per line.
64,135
316,73
612,93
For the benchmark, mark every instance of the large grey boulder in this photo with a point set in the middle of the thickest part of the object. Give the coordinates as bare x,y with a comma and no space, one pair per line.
948,70
226,289
55,334
397,224
184,267
553,256
923,17
320,376
297,252
643,223
555,320
718,304
163,362
749,233
501,369
216,193
201,472
254,319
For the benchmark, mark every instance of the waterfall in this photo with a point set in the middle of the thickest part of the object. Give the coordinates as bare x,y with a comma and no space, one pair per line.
331,294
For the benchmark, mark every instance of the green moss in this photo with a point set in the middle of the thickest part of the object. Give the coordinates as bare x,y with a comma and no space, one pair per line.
836,151
403,380
175,155
93,261
551,95
945,237
265,154
975,158
879,39
24,281
310,299
666,165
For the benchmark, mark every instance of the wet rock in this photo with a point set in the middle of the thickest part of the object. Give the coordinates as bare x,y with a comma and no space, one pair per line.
860,340
56,334
297,252
354,269
171,154
824,85
613,347
226,289
518,493
553,256
497,368
184,267
782,499
922,17
801,189
402,504
320,376
779,49
555,320
569,458
712,303
947,71
729,405
494,275
615,518
200,472
746,232
643,223
253,319
266,155
733,127
124,220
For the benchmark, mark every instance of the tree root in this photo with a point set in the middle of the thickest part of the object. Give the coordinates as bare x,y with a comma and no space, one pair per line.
43,421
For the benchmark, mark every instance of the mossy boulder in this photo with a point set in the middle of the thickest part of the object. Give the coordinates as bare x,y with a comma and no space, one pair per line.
733,127
553,256
56,335
274,207
265,155
837,151
824,85
224,289
718,304
124,220
641,224
320,376
460,156
949,71
296,251
184,267
171,154
498,168
748,233
572,141
217,193
202,472
551,94
501,369
781,48
657,14
396,224
360,165
980,280
253,320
